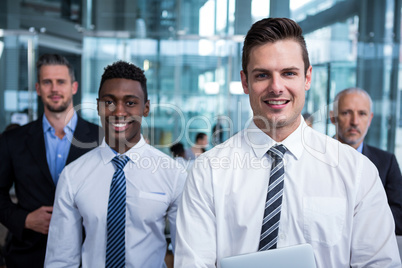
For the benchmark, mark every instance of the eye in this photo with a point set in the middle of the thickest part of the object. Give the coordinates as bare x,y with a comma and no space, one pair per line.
261,75
108,103
289,73
132,103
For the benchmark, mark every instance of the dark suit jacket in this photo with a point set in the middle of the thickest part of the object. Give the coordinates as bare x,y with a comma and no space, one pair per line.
23,163
391,178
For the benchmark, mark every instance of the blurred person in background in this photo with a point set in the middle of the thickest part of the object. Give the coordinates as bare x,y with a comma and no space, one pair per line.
352,114
201,143
32,157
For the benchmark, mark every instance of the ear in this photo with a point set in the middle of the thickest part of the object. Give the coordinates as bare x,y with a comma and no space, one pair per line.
332,117
307,84
244,83
146,109
37,89
371,118
75,87
97,105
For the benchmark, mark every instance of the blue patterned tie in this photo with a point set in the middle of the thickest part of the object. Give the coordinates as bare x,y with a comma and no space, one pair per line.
272,212
116,216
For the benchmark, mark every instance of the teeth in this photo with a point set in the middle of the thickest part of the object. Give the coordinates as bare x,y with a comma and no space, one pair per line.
120,125
276,102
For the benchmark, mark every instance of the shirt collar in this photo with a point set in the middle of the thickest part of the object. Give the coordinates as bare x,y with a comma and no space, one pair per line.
107,153
70,127
360,148
261,142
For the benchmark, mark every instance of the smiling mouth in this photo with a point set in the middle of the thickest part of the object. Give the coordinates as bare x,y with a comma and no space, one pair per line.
120,127
277,102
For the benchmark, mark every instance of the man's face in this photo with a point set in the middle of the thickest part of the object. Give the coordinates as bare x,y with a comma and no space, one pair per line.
56,88
277,84
203,143
121,107
353,119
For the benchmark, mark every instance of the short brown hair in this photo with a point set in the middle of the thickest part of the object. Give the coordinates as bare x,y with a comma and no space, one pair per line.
54,59
271,30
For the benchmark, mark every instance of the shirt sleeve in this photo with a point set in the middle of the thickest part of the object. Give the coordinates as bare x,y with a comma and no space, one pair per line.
373,238
65,230
12,216
196,221
172,211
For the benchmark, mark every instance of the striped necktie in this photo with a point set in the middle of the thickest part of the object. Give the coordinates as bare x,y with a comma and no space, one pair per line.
272,212
116,216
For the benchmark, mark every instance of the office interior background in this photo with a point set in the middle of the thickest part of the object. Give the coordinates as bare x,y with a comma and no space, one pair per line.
191,53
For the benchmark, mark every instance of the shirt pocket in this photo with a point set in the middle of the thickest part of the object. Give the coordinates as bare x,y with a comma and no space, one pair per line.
161,197
324,219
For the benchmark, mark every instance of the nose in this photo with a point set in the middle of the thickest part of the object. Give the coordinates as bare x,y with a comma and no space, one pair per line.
276,85
354,120
119,109
53,87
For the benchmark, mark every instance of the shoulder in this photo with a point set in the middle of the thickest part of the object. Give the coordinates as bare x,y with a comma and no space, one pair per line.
236,143
85,161
331,152
22,131
91,126
154,153
368,150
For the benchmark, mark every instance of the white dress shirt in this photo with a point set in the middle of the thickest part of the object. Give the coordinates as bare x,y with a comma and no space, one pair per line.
154,183
333,199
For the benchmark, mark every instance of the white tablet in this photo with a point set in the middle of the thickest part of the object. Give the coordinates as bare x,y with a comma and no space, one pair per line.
300,256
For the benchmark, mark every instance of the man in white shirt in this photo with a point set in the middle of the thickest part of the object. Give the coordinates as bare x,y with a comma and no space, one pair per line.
78,232
332,196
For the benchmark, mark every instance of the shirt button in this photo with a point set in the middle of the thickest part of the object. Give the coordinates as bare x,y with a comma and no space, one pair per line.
282,236
59,155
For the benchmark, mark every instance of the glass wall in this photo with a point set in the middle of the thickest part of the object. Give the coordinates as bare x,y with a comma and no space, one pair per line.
191,84
191,53
17,86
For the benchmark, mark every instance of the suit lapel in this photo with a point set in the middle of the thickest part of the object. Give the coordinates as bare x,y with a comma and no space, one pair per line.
366,150
36,145
79,140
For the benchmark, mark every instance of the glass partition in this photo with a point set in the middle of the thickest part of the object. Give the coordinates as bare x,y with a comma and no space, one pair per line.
193,85
17,78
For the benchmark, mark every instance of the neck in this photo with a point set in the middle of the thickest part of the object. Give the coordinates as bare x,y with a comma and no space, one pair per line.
354,145
121,146
275,132
59,120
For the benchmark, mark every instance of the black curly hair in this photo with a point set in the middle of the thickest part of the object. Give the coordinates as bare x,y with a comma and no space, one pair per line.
122,69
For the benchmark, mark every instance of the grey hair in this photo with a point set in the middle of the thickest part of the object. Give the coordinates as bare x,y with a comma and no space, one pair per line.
351,90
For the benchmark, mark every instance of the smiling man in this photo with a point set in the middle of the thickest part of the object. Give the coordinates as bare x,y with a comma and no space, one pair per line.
352,115
32,158
278,182
121,193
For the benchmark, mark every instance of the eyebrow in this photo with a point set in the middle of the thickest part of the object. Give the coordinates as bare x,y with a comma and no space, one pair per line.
292,68
124,97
